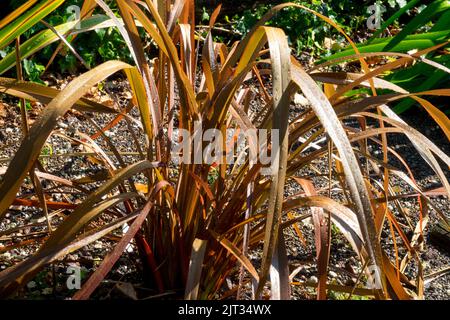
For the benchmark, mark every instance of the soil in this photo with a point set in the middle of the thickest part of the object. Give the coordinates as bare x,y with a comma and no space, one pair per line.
343,260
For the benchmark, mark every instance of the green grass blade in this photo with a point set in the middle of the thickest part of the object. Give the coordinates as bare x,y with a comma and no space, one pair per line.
28,19
422,19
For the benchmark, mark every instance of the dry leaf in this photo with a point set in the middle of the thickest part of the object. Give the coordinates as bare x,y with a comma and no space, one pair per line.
3,111
141,187
94,160
127,289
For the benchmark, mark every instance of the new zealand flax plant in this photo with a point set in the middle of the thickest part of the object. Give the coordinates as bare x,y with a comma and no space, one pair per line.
194,224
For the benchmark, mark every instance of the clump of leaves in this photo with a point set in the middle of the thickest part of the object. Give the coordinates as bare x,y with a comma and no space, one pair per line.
33,70
194,229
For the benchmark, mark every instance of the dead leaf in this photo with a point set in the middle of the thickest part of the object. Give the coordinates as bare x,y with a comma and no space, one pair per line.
94,160
127,289
141,187
3,111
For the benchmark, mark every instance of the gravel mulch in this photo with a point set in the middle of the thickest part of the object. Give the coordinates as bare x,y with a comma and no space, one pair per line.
343,261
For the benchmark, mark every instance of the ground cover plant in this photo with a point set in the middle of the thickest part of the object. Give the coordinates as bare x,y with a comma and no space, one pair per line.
217,229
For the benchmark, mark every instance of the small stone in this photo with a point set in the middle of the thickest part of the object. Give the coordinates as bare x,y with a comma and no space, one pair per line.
109,134
333,274
300,99
312,280
63,125
98,245
427,256
308,223
72,257
31,285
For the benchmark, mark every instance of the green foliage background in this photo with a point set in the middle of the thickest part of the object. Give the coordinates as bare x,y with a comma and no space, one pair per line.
306,34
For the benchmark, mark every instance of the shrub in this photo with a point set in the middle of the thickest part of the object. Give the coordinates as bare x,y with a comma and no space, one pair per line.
195,223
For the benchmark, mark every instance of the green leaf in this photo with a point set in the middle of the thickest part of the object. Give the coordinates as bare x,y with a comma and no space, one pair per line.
417,41
422,19
47,37
27,20
33,70
205,15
